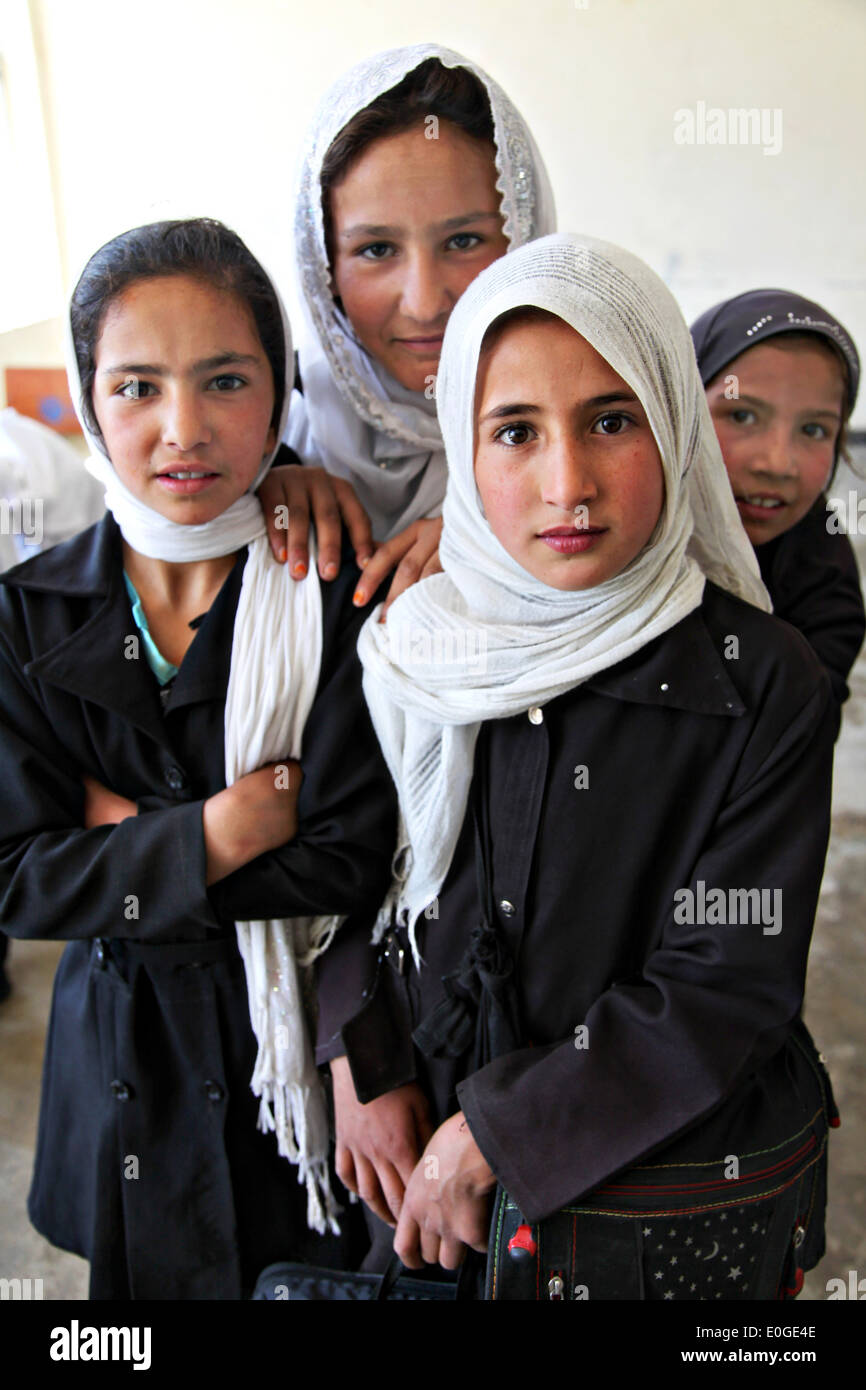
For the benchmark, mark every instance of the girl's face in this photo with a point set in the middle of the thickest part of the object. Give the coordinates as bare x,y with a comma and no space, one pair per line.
414,221
183,394
566,465
778,436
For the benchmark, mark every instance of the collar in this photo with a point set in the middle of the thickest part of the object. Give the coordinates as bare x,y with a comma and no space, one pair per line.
681,669
90,663
81,567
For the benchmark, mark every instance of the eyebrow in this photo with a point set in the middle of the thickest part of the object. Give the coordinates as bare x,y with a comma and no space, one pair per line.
451,224
501,412
205,364
758,400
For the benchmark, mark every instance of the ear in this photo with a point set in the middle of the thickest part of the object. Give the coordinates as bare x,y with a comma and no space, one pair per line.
270,442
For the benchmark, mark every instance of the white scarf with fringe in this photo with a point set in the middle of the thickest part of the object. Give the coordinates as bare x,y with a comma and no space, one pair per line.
485,639
274,674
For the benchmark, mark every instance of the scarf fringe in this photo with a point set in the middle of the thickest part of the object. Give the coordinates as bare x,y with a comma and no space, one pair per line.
284,1110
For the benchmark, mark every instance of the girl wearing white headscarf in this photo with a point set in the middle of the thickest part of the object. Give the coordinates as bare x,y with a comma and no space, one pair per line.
353,417
193,901
614,804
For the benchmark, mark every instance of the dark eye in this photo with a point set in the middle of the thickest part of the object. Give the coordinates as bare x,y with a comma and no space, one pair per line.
134,388
512,436
611,424
816,431
376,251
744,416
464,241
227,382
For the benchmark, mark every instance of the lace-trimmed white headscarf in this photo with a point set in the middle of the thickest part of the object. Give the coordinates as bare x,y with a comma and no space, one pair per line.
354,418
275,661
487,640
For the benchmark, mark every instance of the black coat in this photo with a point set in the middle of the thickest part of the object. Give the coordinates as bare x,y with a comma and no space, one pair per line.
812,577
699,767
150,1047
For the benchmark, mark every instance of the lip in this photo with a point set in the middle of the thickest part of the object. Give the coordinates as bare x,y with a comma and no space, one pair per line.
184,487
571,540
755,512
424,347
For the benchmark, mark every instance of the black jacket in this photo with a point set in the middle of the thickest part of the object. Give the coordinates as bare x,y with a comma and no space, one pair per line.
699,767
812,577
150,1047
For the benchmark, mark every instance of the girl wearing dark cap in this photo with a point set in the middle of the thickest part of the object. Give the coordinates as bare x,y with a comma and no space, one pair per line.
781,376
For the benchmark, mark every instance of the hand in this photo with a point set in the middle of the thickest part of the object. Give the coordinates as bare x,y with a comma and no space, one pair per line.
445,1207
102,807
299,490
415,552
378,1144
259,812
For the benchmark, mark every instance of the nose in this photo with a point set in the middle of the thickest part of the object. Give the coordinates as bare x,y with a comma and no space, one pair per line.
776,455
185,426
568,481
424,294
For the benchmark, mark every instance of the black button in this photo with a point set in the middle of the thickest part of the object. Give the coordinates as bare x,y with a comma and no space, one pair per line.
214,1091
175,778
120,1090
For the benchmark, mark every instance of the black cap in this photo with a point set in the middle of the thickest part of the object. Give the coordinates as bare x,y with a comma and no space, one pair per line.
729,328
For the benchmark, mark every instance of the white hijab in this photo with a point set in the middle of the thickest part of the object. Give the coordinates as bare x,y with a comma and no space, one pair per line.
354,417
485,639
275,661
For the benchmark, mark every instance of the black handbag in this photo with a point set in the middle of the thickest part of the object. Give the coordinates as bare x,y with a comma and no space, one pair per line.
678,1224
305,1283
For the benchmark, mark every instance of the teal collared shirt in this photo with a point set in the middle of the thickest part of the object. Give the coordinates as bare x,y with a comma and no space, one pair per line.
162,669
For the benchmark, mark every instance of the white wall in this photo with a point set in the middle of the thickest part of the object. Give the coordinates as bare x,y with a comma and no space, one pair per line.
174,107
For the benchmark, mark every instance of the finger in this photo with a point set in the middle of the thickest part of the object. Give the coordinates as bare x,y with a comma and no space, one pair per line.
370,1191
407,1241
381,565
272,496
477,1236
357,521
408,572
403,1156
469,1221
451,1253
432,566
430,1243
393,1187
326,518
297,540
345,1166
